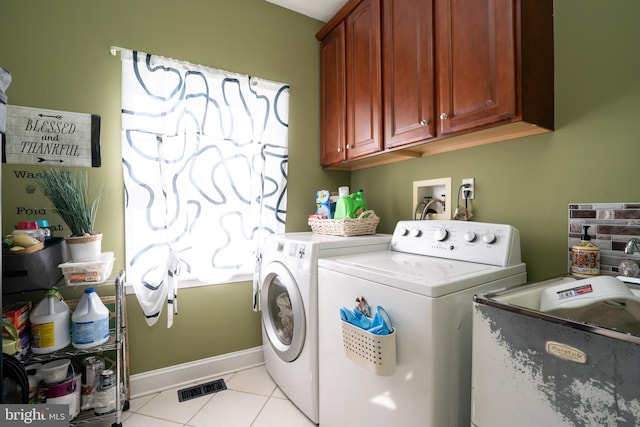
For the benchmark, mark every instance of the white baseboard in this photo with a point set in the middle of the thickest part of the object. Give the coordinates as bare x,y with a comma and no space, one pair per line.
197,371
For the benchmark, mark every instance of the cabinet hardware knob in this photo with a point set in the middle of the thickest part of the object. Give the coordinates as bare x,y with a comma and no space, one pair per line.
424,122
444,116
339,149
348,145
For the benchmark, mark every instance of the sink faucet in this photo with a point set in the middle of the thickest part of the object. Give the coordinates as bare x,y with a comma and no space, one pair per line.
632,245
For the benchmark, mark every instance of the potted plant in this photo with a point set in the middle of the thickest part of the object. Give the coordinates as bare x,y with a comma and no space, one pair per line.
69,193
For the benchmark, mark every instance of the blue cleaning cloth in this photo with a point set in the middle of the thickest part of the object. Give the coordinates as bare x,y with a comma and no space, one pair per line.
355,317
376,326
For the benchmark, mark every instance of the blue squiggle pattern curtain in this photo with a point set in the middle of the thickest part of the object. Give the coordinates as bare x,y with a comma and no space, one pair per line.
205,158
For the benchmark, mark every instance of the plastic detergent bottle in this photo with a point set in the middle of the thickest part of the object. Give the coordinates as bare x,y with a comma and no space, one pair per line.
49,324
90,321
359,205
344,205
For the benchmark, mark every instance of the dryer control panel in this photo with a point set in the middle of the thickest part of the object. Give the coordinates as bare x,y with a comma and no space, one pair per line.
485,243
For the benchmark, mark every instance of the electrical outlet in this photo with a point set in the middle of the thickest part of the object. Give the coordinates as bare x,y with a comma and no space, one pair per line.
471,182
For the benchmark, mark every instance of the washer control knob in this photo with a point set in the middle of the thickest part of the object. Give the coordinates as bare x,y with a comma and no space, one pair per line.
469,236
489,238
416,232
403,231
441,234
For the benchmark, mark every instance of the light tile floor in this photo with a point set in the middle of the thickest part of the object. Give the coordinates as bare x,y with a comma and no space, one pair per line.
251,399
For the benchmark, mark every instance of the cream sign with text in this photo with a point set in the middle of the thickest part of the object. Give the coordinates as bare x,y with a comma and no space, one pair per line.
51,137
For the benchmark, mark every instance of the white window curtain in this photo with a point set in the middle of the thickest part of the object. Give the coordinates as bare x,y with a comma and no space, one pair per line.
205,157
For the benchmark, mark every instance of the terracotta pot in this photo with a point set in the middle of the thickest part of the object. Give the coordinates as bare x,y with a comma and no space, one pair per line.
84,248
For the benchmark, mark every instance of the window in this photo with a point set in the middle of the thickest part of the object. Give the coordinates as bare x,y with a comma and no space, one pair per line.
205,159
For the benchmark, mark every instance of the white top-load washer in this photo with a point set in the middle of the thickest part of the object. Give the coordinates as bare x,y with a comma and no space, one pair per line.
425,282
288,300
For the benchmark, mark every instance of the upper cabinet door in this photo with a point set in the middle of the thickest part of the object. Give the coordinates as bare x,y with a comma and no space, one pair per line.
408,71
333,131
476,45
363,74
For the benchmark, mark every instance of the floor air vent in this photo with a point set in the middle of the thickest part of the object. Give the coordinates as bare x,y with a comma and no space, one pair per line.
201,390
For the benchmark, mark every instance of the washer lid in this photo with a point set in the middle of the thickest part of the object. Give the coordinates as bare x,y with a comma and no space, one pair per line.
425,275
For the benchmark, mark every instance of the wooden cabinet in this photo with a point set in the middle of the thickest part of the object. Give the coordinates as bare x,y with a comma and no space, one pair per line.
408,71
476,60
333,133
351,88
455,74
364,86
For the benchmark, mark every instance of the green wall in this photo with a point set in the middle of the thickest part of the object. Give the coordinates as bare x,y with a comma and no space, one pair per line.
591,157
58,55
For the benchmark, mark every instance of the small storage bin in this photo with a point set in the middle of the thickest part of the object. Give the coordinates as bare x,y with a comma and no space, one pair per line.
376,353
33,271
366,223
88,273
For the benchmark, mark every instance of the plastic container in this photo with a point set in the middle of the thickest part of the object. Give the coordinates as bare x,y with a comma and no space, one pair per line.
65,393
30,228
344,205
359,205
50,324
376,353
90,321
105,400
56,371
88,273
34,375
44,226
92,367
323,204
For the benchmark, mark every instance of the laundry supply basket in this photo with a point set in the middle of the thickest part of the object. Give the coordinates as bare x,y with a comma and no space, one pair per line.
376,353
366,223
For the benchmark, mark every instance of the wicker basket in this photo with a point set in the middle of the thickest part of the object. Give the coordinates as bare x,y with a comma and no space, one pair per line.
366,223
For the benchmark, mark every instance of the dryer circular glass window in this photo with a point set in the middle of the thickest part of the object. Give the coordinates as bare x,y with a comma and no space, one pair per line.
283,316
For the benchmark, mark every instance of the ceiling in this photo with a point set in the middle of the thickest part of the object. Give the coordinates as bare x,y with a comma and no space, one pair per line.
321,10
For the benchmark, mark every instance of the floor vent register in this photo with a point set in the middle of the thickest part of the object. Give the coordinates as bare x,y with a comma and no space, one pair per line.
201,390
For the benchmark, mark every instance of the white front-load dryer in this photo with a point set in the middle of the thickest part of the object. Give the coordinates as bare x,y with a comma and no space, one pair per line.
289,305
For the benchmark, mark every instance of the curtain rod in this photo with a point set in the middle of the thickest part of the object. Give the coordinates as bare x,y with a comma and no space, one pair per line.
115,49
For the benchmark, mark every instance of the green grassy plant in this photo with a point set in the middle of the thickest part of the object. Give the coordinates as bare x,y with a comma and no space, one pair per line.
68,191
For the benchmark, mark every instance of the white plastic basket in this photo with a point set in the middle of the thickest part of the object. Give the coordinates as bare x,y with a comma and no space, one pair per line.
376,353
88,273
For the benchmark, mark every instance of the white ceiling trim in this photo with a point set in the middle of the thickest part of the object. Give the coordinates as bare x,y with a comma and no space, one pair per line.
322,10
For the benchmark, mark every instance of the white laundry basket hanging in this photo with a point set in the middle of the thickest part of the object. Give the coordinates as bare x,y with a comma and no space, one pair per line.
376,353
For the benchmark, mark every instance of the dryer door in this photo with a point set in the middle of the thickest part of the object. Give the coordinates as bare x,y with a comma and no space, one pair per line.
283,316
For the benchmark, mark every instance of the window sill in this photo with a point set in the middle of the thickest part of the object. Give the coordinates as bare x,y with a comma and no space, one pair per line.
195,283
